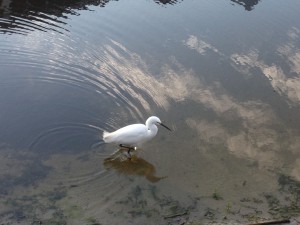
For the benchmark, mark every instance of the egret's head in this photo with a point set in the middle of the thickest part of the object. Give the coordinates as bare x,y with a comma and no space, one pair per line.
155,120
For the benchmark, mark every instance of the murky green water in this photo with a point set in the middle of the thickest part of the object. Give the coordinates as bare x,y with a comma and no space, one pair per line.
224,75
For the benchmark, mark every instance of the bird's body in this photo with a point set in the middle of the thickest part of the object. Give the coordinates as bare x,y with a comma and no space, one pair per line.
131,135
134,135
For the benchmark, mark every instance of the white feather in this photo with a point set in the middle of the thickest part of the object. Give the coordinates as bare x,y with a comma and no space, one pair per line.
135,134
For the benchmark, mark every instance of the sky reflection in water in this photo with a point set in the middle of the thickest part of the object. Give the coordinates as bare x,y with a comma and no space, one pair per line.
226,80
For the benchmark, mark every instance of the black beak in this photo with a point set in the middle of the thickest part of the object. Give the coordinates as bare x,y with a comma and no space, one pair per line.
165,126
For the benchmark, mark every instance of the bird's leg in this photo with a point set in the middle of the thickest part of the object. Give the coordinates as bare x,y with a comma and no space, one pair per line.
124,146
129,149
129,152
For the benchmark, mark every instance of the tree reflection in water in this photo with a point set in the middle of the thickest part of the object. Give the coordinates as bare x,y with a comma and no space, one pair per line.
45,15
248,4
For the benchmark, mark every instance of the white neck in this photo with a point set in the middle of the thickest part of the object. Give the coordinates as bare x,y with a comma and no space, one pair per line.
152,130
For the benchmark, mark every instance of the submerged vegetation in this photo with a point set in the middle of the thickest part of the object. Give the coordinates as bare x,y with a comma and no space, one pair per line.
143,202
217,196
289,206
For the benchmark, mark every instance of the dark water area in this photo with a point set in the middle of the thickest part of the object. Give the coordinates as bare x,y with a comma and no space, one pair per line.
224,75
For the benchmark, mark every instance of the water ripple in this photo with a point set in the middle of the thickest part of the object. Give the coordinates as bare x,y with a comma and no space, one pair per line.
33,22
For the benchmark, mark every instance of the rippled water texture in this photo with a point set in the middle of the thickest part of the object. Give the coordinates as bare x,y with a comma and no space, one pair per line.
224,75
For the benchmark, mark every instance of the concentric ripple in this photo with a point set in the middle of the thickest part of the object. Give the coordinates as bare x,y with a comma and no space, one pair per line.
62,89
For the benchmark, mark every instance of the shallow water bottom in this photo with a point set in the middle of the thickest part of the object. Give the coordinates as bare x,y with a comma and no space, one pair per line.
97,188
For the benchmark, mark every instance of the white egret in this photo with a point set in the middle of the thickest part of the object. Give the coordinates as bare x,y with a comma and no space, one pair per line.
134,135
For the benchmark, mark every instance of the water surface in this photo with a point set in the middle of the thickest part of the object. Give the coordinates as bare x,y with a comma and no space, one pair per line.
224,75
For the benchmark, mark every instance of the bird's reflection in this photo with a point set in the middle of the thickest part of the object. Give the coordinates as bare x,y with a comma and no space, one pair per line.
131,166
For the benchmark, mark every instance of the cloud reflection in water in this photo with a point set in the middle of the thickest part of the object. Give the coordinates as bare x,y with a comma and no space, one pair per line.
257,138
262,136
286,83
123,74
